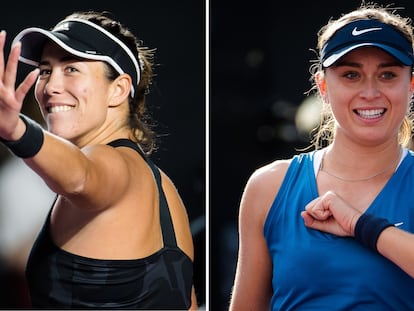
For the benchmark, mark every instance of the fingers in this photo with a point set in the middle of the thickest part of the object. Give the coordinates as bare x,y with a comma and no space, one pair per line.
312,222
330,213
9,76
329,225
25,86
318,209
2,43
8,73
307,218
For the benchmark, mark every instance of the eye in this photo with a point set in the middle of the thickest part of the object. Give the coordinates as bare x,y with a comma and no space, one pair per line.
351,75
44,72
387,75
71,69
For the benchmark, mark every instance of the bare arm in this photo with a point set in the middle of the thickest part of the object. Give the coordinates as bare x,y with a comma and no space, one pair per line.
252,287
83,176
194,304
330,213
398,246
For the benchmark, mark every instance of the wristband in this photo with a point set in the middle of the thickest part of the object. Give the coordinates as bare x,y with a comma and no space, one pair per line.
368,228
31,141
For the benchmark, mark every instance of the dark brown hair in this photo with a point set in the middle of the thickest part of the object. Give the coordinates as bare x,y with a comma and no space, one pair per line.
139,119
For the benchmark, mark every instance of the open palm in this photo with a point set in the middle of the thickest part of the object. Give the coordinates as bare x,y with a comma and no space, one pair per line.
11,98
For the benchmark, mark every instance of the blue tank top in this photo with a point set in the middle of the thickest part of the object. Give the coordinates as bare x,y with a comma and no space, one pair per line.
163,280
318,271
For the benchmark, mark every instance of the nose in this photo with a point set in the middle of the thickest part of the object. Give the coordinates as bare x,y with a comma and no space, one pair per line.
370,90
54,83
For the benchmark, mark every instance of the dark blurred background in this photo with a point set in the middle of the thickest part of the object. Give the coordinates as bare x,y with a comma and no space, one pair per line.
260,53
177,102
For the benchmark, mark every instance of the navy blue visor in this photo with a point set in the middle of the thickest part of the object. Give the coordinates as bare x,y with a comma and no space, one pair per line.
367,32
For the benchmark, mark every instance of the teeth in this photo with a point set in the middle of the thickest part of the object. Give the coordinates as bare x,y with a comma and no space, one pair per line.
59,109
370,114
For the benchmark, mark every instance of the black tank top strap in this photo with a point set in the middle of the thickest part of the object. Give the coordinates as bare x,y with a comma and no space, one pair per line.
167,227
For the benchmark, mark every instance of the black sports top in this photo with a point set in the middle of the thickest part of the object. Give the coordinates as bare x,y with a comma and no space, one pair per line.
163,280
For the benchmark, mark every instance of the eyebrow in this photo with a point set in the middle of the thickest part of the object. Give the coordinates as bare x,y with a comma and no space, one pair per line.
66,58
358,65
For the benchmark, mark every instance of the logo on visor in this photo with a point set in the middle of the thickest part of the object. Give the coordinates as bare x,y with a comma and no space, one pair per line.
60,27
356,32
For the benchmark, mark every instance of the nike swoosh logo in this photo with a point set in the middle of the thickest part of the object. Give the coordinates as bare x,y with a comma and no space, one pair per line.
356,32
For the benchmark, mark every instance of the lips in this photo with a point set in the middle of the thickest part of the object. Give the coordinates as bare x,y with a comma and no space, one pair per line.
370,113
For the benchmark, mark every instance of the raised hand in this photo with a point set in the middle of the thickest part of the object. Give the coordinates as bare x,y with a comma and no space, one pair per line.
11,98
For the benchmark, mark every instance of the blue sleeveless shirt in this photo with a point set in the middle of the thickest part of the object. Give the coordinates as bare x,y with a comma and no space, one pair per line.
318,271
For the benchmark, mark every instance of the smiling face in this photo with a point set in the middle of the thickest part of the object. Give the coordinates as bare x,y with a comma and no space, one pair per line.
369,93
73,94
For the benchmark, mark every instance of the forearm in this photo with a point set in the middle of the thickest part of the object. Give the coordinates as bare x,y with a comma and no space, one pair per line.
383,237
398,246
60,164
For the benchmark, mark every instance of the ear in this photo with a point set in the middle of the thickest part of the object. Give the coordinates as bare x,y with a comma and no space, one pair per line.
321,82
120,90
412,83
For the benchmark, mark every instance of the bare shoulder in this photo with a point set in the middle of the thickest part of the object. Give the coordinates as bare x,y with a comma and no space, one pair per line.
267,178
171,193
179,216
273,171
263,186
107,157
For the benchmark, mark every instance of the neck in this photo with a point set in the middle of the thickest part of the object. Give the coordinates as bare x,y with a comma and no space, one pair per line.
358,167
